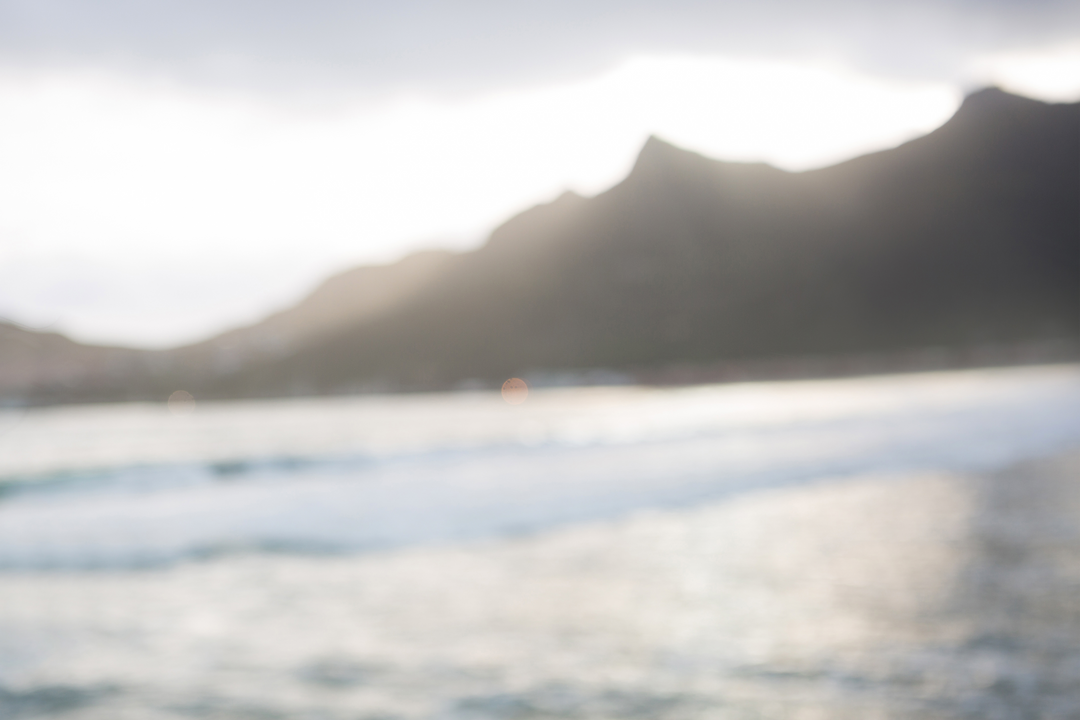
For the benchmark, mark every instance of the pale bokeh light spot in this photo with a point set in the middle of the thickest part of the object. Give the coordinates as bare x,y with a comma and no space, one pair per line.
181,403
515,391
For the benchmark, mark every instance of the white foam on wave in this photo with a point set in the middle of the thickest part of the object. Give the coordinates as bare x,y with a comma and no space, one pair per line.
144,488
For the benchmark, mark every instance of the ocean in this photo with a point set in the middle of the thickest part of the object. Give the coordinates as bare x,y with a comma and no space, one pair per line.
902,546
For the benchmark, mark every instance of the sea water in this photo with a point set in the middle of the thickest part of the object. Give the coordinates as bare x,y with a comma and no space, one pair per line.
793,549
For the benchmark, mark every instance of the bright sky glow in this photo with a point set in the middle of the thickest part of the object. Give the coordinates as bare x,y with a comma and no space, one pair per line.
154,215
1051,74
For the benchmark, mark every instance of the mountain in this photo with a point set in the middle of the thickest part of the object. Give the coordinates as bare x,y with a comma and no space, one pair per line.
46,367
43,367
340,301
966,237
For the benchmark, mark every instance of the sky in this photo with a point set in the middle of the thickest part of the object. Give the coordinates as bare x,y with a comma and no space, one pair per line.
171,169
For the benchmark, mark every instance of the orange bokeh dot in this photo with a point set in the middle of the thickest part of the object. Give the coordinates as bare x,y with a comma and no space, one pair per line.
514,391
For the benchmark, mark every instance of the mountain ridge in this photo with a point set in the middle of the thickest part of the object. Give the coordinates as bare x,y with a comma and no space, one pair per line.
965,236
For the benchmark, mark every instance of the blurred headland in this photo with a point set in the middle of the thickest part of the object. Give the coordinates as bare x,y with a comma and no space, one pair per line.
957,249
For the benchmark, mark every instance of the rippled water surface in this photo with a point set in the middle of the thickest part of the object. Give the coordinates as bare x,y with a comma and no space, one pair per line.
893,547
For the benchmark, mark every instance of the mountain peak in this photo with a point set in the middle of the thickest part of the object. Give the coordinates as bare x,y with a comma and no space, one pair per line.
568,196
655,149
660,155
994,100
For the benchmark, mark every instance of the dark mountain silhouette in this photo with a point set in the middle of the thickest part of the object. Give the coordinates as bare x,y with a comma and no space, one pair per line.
967,237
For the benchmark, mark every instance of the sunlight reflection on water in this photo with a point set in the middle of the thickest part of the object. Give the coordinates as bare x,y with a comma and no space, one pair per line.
904,593
934,596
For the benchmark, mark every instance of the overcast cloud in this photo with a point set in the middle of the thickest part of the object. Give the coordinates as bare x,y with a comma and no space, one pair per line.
169,169
476,45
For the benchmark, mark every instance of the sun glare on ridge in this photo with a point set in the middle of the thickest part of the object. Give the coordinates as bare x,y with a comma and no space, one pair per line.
152,176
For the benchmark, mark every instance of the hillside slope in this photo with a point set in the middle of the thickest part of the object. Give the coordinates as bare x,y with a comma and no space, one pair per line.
969,235
966,237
